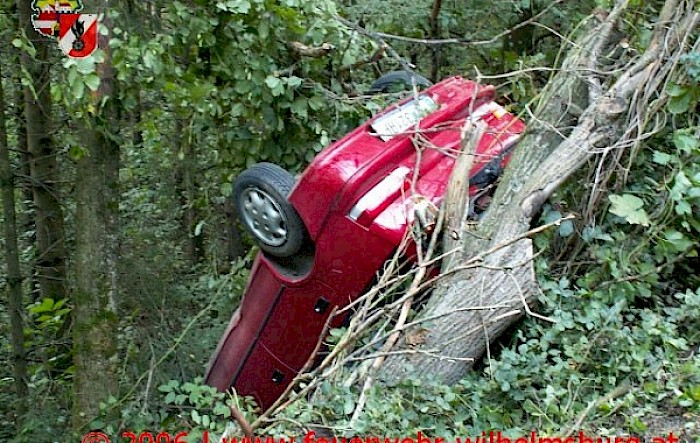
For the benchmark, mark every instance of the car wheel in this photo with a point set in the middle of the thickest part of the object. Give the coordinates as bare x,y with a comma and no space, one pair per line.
260,197
398,81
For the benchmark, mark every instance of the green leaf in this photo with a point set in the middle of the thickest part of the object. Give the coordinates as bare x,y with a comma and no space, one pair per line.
678,240
272,82
552,216
92,81
676,90
661,158
629,207
26,45
683,208
685,142
46,305
681,185
299,107
348,405
566,228
149,60
198,228
196,417
85,65
222,409
170,387
275,85
317,102
263,30
294,82
235,6
61,312
78,90
679,105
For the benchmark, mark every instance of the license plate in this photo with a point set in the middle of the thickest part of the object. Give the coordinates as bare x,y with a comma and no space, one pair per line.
404,117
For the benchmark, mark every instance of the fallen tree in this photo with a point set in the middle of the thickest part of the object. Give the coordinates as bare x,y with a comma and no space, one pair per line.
605,99
600,104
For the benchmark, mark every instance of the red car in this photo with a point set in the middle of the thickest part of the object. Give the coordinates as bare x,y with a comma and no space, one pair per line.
324,238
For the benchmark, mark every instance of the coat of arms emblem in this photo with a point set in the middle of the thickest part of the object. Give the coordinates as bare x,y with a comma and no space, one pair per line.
60,20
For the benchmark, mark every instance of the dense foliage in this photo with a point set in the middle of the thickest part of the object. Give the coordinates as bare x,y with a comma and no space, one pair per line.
205,88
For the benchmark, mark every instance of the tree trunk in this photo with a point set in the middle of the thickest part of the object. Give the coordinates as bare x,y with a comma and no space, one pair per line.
186,158
51,252
582,112
434,33
234,243
96,255
25,221
14,275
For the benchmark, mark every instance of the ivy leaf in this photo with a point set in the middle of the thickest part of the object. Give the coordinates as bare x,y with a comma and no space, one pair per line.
299,107
685,142
681,98
679,105
661,158
629,207
92,81
149,60
294,82
566,228
275,85
195,416
681,185
678,240
235,6
170,398
676,90
683,208
85,65
348,405
316,103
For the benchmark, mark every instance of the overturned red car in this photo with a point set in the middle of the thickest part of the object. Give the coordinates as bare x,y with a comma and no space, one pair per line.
325,236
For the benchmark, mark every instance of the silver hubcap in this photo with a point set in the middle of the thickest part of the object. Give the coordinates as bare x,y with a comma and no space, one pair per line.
263,215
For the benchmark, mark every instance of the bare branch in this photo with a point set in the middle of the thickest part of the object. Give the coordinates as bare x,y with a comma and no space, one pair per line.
458,41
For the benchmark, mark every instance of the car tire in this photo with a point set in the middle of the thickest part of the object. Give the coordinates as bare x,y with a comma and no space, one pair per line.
260,197
398,81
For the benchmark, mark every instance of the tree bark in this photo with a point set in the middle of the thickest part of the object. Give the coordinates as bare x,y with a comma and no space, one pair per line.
95,292
51,252
434,22
25,220
581,113
14,274
186,161
234,243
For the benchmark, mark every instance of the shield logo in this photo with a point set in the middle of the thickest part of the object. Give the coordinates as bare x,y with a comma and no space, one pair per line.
47,12
77,34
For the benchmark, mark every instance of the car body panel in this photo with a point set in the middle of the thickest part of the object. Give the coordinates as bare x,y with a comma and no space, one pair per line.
359,160
355,199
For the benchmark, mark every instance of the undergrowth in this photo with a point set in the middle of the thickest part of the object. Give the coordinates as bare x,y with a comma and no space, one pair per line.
621,357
